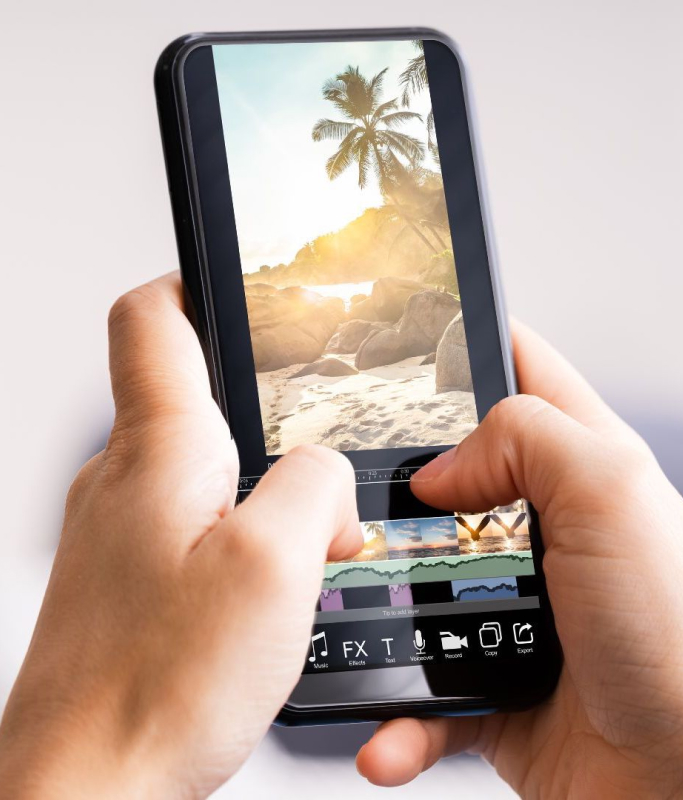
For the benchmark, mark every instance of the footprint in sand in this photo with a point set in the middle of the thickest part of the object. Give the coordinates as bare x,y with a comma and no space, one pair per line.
396,438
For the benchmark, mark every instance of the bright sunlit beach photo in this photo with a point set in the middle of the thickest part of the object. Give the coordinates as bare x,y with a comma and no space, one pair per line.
348,266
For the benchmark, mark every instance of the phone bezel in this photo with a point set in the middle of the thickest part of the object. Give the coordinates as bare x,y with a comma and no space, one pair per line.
172,101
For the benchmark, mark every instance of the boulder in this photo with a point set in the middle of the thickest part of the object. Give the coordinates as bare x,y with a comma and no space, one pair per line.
430,359
357,298
424,320
291,327
387,300
364,309
259,288
299,293
389,296
452,360
351,335
332,367
381,348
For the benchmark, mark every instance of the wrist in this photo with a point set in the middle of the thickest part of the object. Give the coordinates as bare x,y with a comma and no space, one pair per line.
45,756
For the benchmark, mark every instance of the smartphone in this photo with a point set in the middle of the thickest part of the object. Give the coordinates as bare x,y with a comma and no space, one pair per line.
337,264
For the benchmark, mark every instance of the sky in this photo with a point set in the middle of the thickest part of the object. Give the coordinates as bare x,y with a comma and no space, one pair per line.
403,533
270,97
439,532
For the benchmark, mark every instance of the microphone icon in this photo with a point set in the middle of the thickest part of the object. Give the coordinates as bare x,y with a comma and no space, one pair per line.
419,642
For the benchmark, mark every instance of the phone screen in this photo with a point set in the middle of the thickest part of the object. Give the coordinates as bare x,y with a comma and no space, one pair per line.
362,319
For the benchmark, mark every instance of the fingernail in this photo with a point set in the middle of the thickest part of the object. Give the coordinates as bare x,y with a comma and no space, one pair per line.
435,468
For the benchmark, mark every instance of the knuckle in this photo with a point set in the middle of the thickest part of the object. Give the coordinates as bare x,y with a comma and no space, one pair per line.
132,305
319,458
518,411
82,484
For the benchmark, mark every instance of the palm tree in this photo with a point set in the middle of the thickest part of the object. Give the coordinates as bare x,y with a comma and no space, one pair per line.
414,79
369,136
375,528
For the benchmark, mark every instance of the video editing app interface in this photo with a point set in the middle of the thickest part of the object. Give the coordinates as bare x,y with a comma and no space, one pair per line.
359,342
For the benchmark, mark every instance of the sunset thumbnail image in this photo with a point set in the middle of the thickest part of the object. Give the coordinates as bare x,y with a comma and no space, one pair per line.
493,532
421,538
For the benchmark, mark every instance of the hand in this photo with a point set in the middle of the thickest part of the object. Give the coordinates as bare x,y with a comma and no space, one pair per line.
612,527
174,626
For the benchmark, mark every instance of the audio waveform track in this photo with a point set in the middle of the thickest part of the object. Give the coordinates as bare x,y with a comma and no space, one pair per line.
495,565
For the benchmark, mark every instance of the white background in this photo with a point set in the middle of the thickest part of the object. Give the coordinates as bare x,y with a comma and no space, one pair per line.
581,128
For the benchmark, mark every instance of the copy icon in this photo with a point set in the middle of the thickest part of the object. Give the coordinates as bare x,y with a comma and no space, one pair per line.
490,634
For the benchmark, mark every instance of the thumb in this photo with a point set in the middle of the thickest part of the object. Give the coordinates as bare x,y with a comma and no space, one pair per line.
155,359
524,448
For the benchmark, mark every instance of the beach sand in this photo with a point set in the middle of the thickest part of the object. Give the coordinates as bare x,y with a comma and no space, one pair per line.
384,407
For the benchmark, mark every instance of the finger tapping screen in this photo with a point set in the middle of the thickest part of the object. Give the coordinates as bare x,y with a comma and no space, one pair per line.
357,331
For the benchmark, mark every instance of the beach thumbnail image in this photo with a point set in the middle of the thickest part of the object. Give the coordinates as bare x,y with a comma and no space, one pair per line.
408,538
495,532
374,543
347,261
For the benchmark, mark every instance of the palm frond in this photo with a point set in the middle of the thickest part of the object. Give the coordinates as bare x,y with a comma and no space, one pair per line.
375,86
363,154
343,158
400,117
383,108
336,90
430,123
331,129
413,79
408,146
432,145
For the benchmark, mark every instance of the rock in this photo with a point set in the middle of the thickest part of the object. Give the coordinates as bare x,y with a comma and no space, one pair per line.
291,327
351,334
389,296
387,300
332,367
364,309
452,360
430,359
299,293
381,348
259,288
356,298
426,316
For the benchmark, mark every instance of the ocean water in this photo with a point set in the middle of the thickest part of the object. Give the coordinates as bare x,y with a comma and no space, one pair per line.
494,544
344,290
425,552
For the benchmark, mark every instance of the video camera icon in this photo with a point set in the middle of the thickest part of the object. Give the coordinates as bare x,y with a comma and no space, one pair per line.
449,641
490,634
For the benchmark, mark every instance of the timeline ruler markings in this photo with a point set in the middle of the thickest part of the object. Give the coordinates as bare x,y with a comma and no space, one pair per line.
363,476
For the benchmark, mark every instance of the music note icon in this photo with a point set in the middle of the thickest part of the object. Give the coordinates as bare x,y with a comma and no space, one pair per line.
323,651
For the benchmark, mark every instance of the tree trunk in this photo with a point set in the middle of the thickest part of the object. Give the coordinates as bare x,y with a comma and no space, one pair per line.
438,238
398,205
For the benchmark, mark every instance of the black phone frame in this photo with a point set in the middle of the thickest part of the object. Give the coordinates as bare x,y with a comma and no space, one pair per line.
522,688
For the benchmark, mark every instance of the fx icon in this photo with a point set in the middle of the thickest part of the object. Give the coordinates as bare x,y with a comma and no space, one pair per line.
360,649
